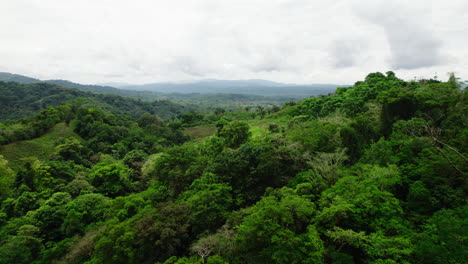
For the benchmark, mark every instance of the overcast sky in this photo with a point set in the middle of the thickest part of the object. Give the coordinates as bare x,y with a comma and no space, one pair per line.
292,41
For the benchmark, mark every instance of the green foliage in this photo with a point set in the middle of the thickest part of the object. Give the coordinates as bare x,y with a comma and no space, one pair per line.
234,133
37,96
373,173
7,179
253,167
209,202
277,229
21,249
71,149
53,175
316,136
84,210
364,201
155,235
190,118
380,153
326,165
79,185
444,237
43,147
177,168
111,179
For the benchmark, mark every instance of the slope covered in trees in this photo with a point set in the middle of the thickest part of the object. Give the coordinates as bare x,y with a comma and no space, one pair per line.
22,100
374,173
207,95
10,77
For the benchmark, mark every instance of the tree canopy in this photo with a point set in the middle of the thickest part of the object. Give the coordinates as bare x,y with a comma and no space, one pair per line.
372,173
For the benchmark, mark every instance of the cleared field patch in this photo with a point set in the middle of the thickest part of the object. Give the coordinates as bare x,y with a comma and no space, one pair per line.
261,127
200,132
42,147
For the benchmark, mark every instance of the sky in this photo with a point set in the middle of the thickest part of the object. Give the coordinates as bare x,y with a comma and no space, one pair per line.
290,41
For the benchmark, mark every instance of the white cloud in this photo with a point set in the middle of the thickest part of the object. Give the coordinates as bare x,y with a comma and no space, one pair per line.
298,41
412,43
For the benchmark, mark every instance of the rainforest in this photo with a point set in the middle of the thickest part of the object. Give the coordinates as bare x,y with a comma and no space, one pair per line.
370,173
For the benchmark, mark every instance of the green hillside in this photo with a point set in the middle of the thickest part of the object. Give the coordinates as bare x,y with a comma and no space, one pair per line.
22,100
10,77
374,173
41,148
208,100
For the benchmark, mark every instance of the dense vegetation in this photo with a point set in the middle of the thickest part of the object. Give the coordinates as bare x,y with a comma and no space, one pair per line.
206,95
374,173
23,100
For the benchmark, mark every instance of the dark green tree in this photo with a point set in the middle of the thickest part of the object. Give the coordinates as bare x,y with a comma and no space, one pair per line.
235,133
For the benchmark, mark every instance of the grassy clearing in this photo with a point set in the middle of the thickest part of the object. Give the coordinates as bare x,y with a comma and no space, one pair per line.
42,147
200,132
260,127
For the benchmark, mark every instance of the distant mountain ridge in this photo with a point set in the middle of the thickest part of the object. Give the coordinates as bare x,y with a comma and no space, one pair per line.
145,95
209,86
18,100
10,77
205,100
256,87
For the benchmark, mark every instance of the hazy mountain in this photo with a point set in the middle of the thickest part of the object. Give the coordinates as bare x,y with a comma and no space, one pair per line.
168,90
258,87
114,84
19,100
85,87
143,95
10,77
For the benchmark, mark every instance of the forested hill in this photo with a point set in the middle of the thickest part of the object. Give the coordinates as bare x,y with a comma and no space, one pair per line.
22,100
10,77
143,95
374,173
198,91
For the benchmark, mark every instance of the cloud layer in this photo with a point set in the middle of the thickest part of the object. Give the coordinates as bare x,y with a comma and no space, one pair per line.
413,44
295,41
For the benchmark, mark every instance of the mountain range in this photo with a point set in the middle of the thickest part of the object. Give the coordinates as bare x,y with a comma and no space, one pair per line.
210,86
